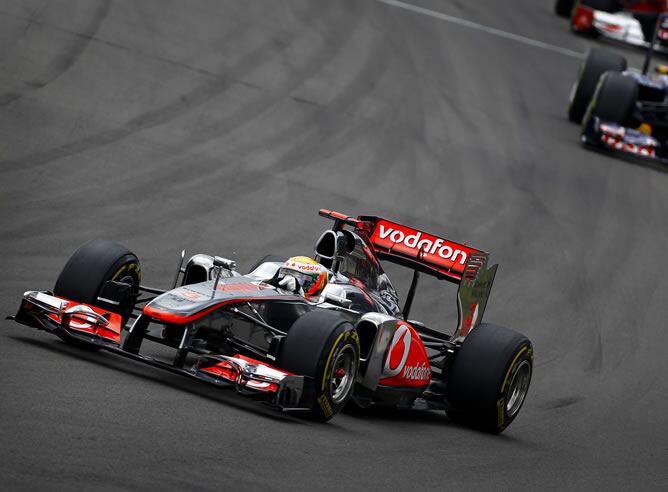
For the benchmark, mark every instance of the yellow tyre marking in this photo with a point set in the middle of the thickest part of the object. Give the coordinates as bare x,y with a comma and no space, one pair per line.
505,380
325,406
501,402
329,359
500,413
131,266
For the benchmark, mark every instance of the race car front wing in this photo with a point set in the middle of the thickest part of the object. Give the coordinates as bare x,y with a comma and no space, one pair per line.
613,137
96,327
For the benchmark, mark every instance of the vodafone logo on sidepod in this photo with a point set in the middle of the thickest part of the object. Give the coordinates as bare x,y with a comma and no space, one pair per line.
398,353
397,357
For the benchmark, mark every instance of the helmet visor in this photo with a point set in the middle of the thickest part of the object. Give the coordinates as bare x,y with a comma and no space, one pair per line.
306,280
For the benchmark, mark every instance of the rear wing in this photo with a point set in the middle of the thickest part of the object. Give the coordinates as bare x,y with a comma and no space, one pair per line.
423,251
430,254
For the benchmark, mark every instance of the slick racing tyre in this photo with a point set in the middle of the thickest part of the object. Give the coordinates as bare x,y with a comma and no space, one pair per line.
90,267
563,8
324,346
489,378
598,62
610,6
614,99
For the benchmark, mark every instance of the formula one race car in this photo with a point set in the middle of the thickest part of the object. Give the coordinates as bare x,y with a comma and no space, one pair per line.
626,21
622,110
355,344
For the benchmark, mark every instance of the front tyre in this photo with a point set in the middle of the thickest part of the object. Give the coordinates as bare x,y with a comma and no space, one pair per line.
324,346
563,8
489,378
598,62
87,271
614,100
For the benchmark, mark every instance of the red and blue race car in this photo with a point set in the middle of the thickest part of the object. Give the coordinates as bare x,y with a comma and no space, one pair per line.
355,344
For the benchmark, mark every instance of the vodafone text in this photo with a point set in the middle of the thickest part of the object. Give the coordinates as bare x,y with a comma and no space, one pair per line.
420,372
413,241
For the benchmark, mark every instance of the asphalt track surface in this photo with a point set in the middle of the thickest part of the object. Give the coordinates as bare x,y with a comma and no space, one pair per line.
221,127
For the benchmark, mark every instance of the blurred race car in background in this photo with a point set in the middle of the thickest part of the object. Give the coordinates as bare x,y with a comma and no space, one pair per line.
627,21
355,343
623,110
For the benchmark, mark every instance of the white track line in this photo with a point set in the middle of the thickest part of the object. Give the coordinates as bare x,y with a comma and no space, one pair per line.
489,30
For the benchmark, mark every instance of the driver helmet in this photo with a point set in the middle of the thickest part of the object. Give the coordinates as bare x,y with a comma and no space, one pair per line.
310,274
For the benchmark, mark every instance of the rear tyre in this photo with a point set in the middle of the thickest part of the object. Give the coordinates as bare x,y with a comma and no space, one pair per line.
598,62
89,268
324,346
614,100
604,5
489,378
563,8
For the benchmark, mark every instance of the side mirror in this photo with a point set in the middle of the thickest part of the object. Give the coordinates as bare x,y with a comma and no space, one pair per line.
338,301
219,261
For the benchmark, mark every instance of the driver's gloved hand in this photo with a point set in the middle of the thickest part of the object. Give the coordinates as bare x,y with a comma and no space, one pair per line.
289,283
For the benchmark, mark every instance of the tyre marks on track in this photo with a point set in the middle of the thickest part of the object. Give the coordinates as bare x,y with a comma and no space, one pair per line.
336,35
61,64
214,86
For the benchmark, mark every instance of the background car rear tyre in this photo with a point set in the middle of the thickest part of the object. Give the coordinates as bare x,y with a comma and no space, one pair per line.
489,378
90,267
604,5
563,8
324,346
598,62
615,99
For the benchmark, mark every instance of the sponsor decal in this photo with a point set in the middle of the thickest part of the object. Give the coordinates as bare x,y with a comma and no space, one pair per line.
325,405
421,246
190,294
470,320
237,287
304,267
398,354
607,26
632,148
613,130
419,372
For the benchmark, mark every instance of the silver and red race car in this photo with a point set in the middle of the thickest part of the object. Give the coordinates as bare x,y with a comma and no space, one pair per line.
354,345
627,21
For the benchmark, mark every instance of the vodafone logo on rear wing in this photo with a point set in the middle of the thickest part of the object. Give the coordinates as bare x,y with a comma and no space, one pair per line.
446,256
